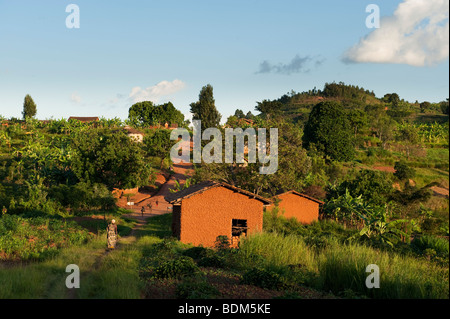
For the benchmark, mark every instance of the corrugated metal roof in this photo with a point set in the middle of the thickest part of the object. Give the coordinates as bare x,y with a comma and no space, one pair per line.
203,186
302,195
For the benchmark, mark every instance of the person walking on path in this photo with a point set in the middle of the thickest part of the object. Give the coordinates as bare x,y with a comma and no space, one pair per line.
142,211
111,234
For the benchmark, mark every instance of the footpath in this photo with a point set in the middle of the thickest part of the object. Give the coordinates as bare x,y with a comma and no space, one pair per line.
159,205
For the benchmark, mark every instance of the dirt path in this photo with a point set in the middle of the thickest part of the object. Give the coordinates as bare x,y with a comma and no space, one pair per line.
440,191
159,205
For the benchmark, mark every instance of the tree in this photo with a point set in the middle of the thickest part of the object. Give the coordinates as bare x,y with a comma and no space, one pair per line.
110,158
444,106
403,171
425,106
250,116
383,125
374,187
392,98
144,114
329,129
269,108
239,114
205,109
410,136
358,120
158,143
29,107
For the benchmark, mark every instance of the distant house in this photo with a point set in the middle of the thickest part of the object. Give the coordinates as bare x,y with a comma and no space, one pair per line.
84,119
302,207
134,134
204,211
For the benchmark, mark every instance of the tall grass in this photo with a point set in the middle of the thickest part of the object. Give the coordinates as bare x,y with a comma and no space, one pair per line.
115,277
341,267
46,279
273,249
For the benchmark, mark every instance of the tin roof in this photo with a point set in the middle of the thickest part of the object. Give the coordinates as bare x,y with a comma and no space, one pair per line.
203,186
302,195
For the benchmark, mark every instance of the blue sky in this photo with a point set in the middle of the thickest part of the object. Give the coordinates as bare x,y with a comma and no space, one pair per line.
248,50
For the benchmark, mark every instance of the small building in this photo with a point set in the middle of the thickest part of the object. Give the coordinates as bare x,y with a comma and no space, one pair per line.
296,205
209,209
134,134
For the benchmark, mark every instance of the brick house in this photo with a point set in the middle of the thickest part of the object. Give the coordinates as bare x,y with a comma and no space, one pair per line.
210,209
296,205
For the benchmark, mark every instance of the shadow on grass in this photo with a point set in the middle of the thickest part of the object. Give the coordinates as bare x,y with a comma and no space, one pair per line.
97,224
158,226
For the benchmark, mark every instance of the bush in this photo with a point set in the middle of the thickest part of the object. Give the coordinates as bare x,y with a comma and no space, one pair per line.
37,238
222,242
197,252
9,223
176,268
263,278
403,171
191,289
439,245
212,261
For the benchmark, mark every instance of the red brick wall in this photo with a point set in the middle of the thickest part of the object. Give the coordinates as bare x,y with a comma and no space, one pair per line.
303,209
209,214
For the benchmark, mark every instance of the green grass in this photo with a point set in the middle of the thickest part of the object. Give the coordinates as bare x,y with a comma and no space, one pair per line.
290,261
37,238
271,249
341,267
46,279
104,274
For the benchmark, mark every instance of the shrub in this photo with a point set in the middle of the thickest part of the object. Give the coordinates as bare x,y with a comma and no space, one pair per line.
222,242
212,261
196,252
403,171
191,289
10,223
263,278
439,245
176,268
37,238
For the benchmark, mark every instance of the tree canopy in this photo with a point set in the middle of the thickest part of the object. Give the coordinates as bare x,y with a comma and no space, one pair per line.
205,109
329,130
111,158
145,114
29,107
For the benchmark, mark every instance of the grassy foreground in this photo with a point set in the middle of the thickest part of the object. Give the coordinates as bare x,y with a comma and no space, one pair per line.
267,265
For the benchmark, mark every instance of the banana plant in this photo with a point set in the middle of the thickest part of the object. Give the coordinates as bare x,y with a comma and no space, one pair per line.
178,187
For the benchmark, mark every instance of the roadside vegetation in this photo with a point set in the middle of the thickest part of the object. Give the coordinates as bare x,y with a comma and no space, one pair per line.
381,165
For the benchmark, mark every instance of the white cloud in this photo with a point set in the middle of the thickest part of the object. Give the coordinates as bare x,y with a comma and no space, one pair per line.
154,93
417,34
75,97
